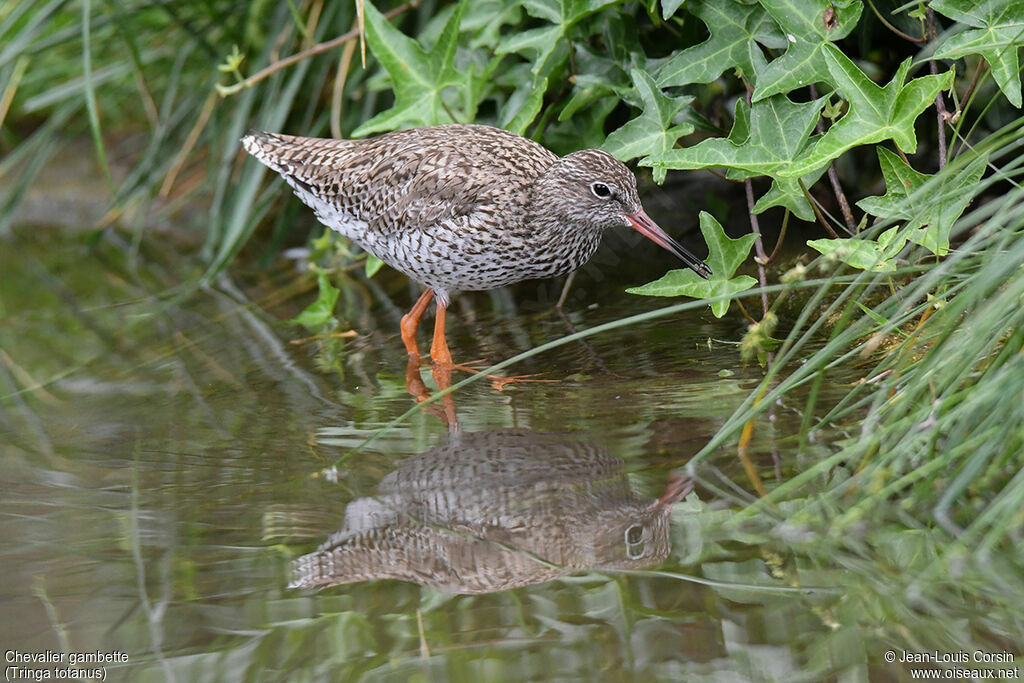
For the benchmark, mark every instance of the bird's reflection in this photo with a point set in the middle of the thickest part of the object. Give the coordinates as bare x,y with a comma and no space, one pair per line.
495,510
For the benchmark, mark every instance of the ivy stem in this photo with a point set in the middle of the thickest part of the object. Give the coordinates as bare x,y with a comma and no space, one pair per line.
755,227
817,211
833,178
762,257
940,102
892,28
782,236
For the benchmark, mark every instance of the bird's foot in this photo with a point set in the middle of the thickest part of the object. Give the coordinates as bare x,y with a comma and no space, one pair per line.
499,383
476,367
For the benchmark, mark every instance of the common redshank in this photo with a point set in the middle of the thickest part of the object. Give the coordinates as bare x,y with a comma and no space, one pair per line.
462,207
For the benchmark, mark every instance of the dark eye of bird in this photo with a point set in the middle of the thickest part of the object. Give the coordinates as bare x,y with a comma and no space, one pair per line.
601,190
635,542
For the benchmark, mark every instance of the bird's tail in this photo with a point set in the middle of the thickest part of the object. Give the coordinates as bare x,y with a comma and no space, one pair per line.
271,149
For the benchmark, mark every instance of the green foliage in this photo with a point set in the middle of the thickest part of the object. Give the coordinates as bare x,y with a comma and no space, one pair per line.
875,113
652,132
736,30
929,211
320,314
768,138
418,76
997,36
810,29
724,257
628,77
877,255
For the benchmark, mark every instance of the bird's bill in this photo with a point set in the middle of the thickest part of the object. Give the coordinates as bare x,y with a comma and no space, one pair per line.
678,487
643,224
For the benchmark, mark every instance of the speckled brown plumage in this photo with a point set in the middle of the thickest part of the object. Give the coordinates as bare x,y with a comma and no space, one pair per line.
463,207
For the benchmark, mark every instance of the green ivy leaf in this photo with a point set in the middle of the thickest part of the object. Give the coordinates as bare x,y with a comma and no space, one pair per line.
997,36
875,113
542,42
788,193
809,25
652,132
929,214
605,72
320,313
767,139
669,7
735,30
724,257
418,77
524,105
373,264
876,255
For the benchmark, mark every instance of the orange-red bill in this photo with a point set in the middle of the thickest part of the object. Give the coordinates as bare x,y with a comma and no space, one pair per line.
678,487
642,223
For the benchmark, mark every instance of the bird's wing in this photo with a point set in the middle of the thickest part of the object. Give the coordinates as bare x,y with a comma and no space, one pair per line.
407,180
448,179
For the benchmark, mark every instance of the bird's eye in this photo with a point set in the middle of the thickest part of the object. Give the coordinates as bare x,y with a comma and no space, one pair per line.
634,542
600,190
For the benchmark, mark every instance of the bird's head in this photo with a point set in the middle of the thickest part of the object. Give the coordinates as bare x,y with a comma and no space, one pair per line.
593,190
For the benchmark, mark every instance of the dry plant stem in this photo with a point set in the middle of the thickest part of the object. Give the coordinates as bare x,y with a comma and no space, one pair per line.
746,314
974,81
833,178
312,22
317,49
339,85
940,102
762,257
565,291
148,104
12,87
965,102
748,465
190,143
361,23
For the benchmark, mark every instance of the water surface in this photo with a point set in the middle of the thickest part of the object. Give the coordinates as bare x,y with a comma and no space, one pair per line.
166,458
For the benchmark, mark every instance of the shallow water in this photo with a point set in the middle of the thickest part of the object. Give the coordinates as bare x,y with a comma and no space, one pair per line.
166,458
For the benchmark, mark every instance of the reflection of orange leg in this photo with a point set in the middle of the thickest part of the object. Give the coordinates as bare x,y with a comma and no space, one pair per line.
439,352
411,322
415,386
414,383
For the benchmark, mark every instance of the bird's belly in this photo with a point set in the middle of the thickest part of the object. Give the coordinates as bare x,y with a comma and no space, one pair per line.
458,255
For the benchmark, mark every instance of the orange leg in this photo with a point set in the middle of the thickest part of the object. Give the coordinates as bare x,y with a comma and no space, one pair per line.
439,352
411,322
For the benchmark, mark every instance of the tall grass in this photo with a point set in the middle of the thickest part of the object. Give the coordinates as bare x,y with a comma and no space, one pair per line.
140,78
